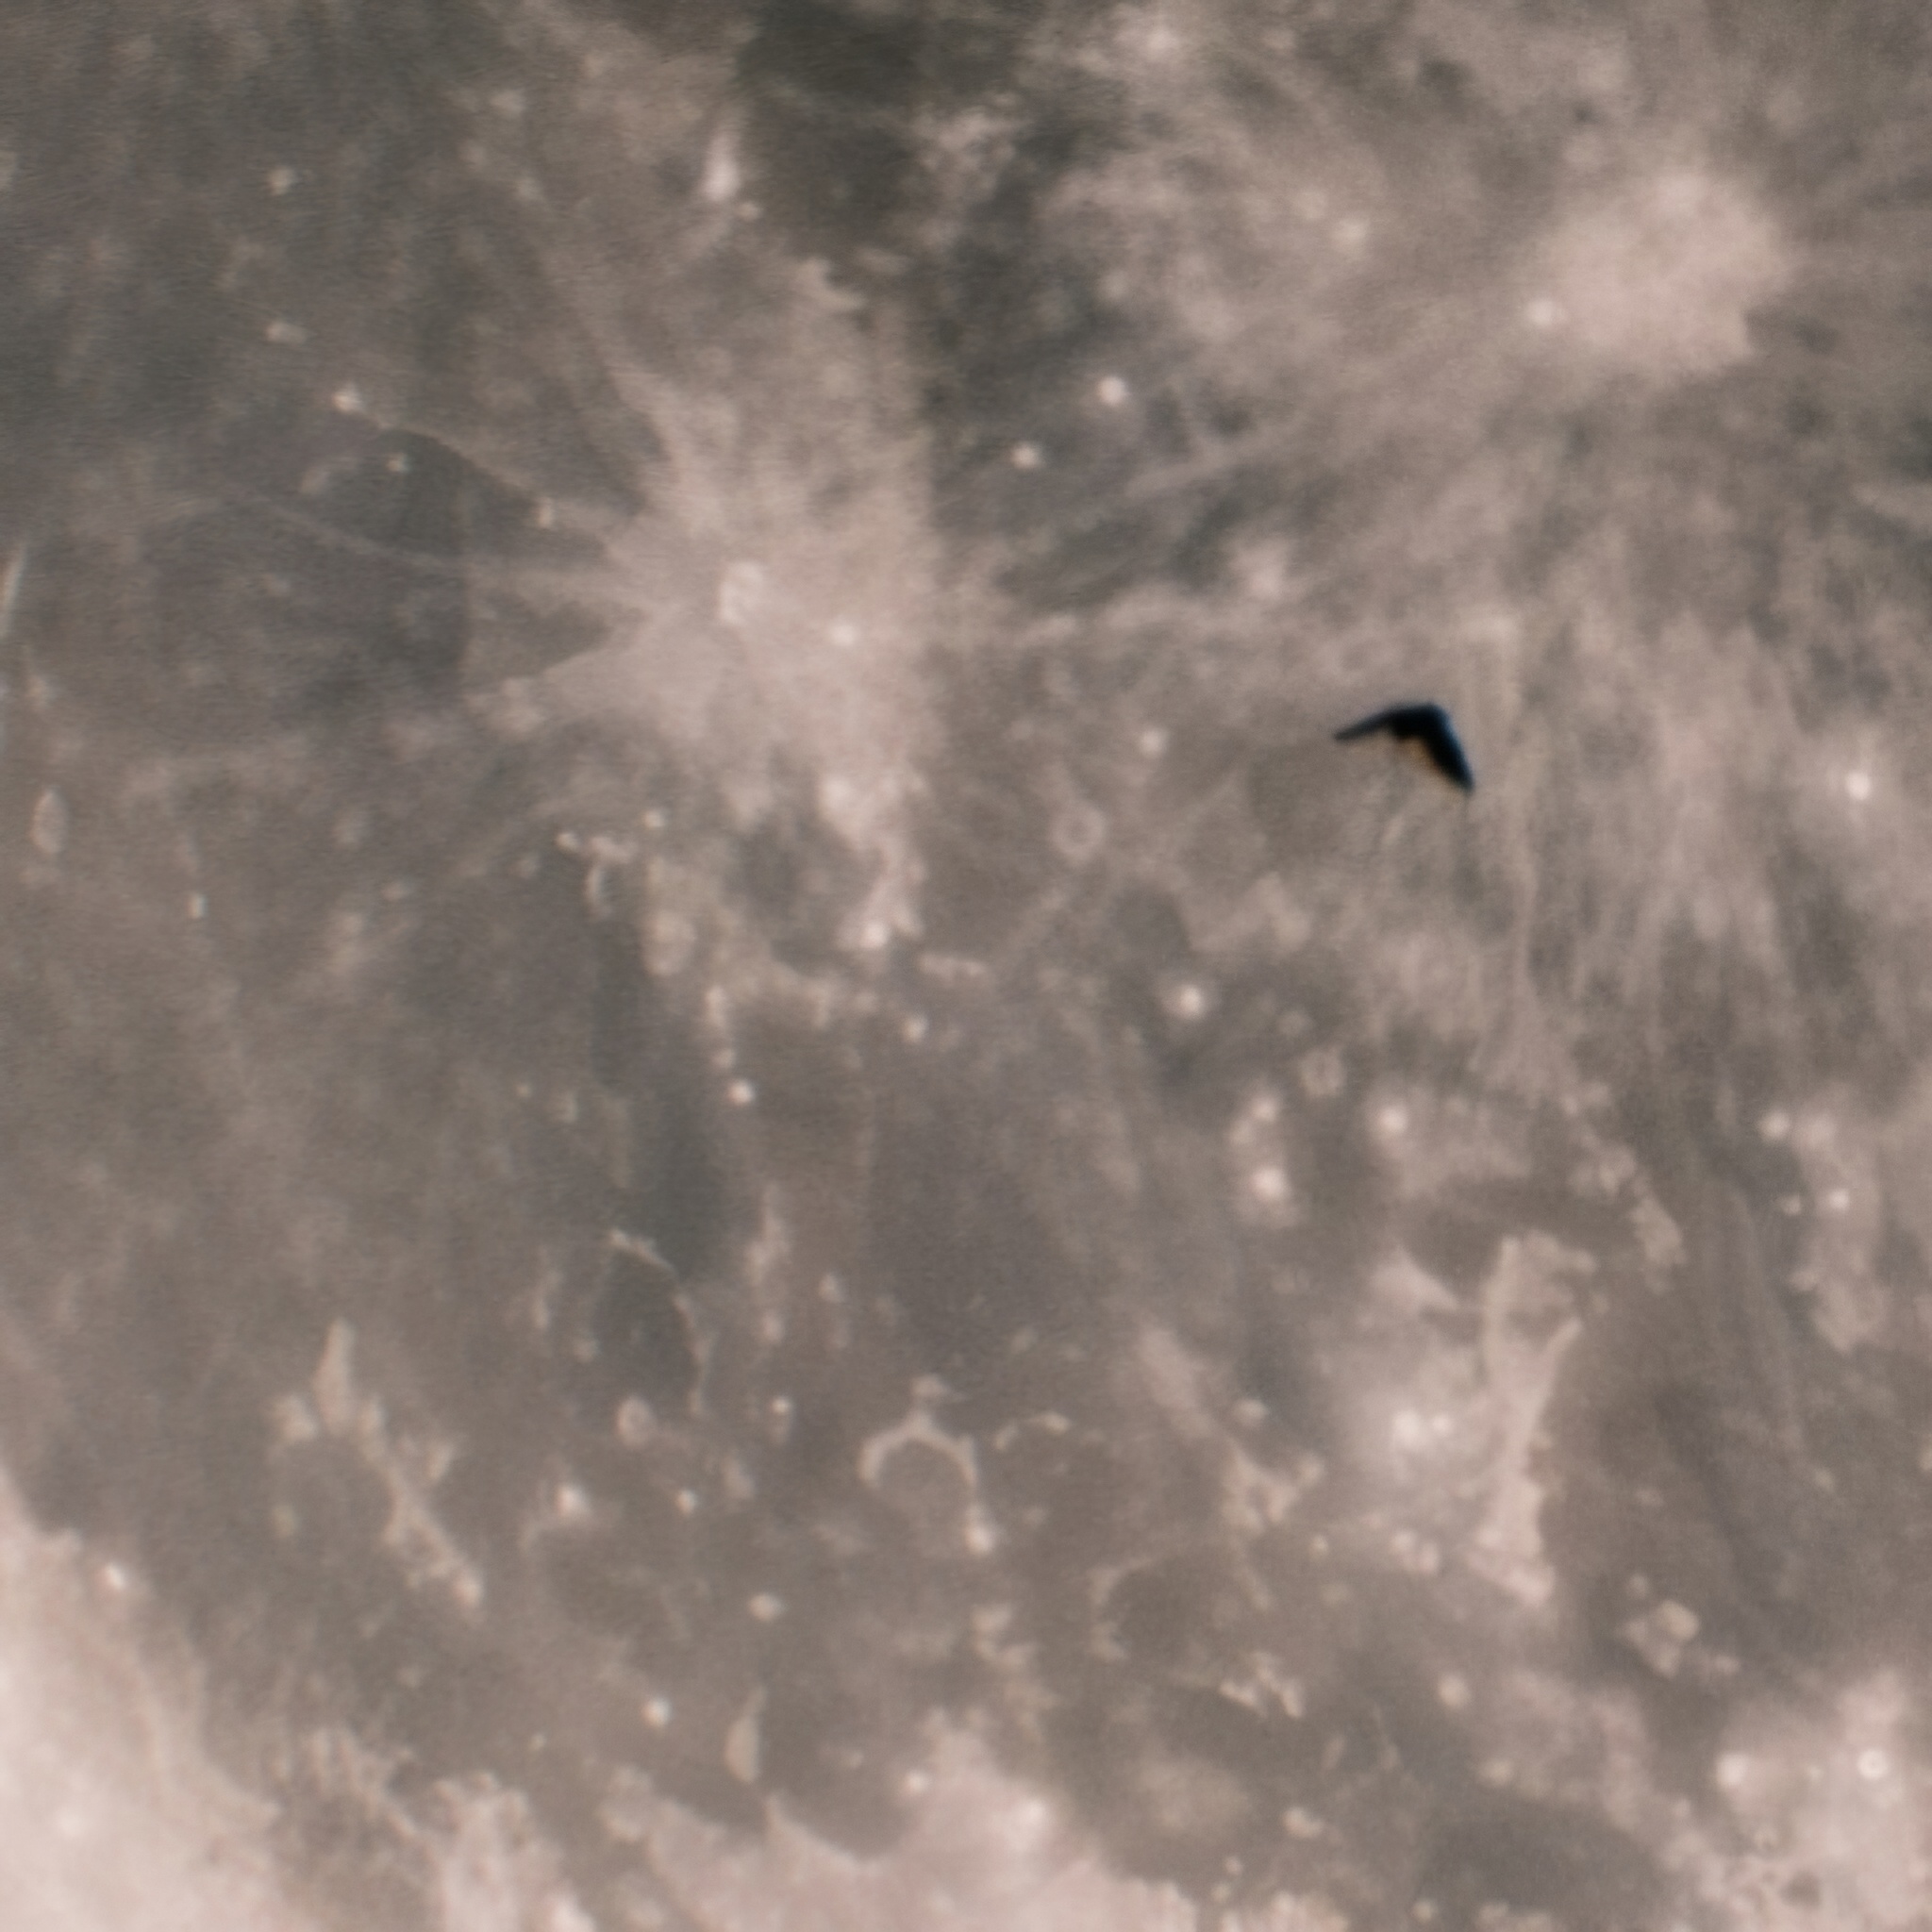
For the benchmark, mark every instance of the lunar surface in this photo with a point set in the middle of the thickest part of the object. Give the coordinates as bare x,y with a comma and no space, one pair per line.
746,1191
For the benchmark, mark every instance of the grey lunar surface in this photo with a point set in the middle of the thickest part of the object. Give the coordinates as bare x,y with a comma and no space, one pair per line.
745,1189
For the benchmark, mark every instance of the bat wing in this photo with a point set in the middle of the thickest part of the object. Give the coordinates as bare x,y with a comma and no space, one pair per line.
1369,727
1437,738
1427,726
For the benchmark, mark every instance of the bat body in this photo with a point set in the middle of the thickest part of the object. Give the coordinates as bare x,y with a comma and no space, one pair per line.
1427,729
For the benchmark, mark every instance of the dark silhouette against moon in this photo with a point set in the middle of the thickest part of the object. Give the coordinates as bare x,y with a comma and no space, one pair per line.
1427,729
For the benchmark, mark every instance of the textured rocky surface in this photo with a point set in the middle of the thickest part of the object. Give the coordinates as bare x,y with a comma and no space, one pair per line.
746,1189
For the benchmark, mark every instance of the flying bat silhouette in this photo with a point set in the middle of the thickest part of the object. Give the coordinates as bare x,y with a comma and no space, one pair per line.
1426,727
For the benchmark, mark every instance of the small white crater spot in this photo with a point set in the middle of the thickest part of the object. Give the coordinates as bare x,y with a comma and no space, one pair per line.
1185,999
1026,1823
723,179
49,827
743,1746
1409,1430
1269,1185
740,593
